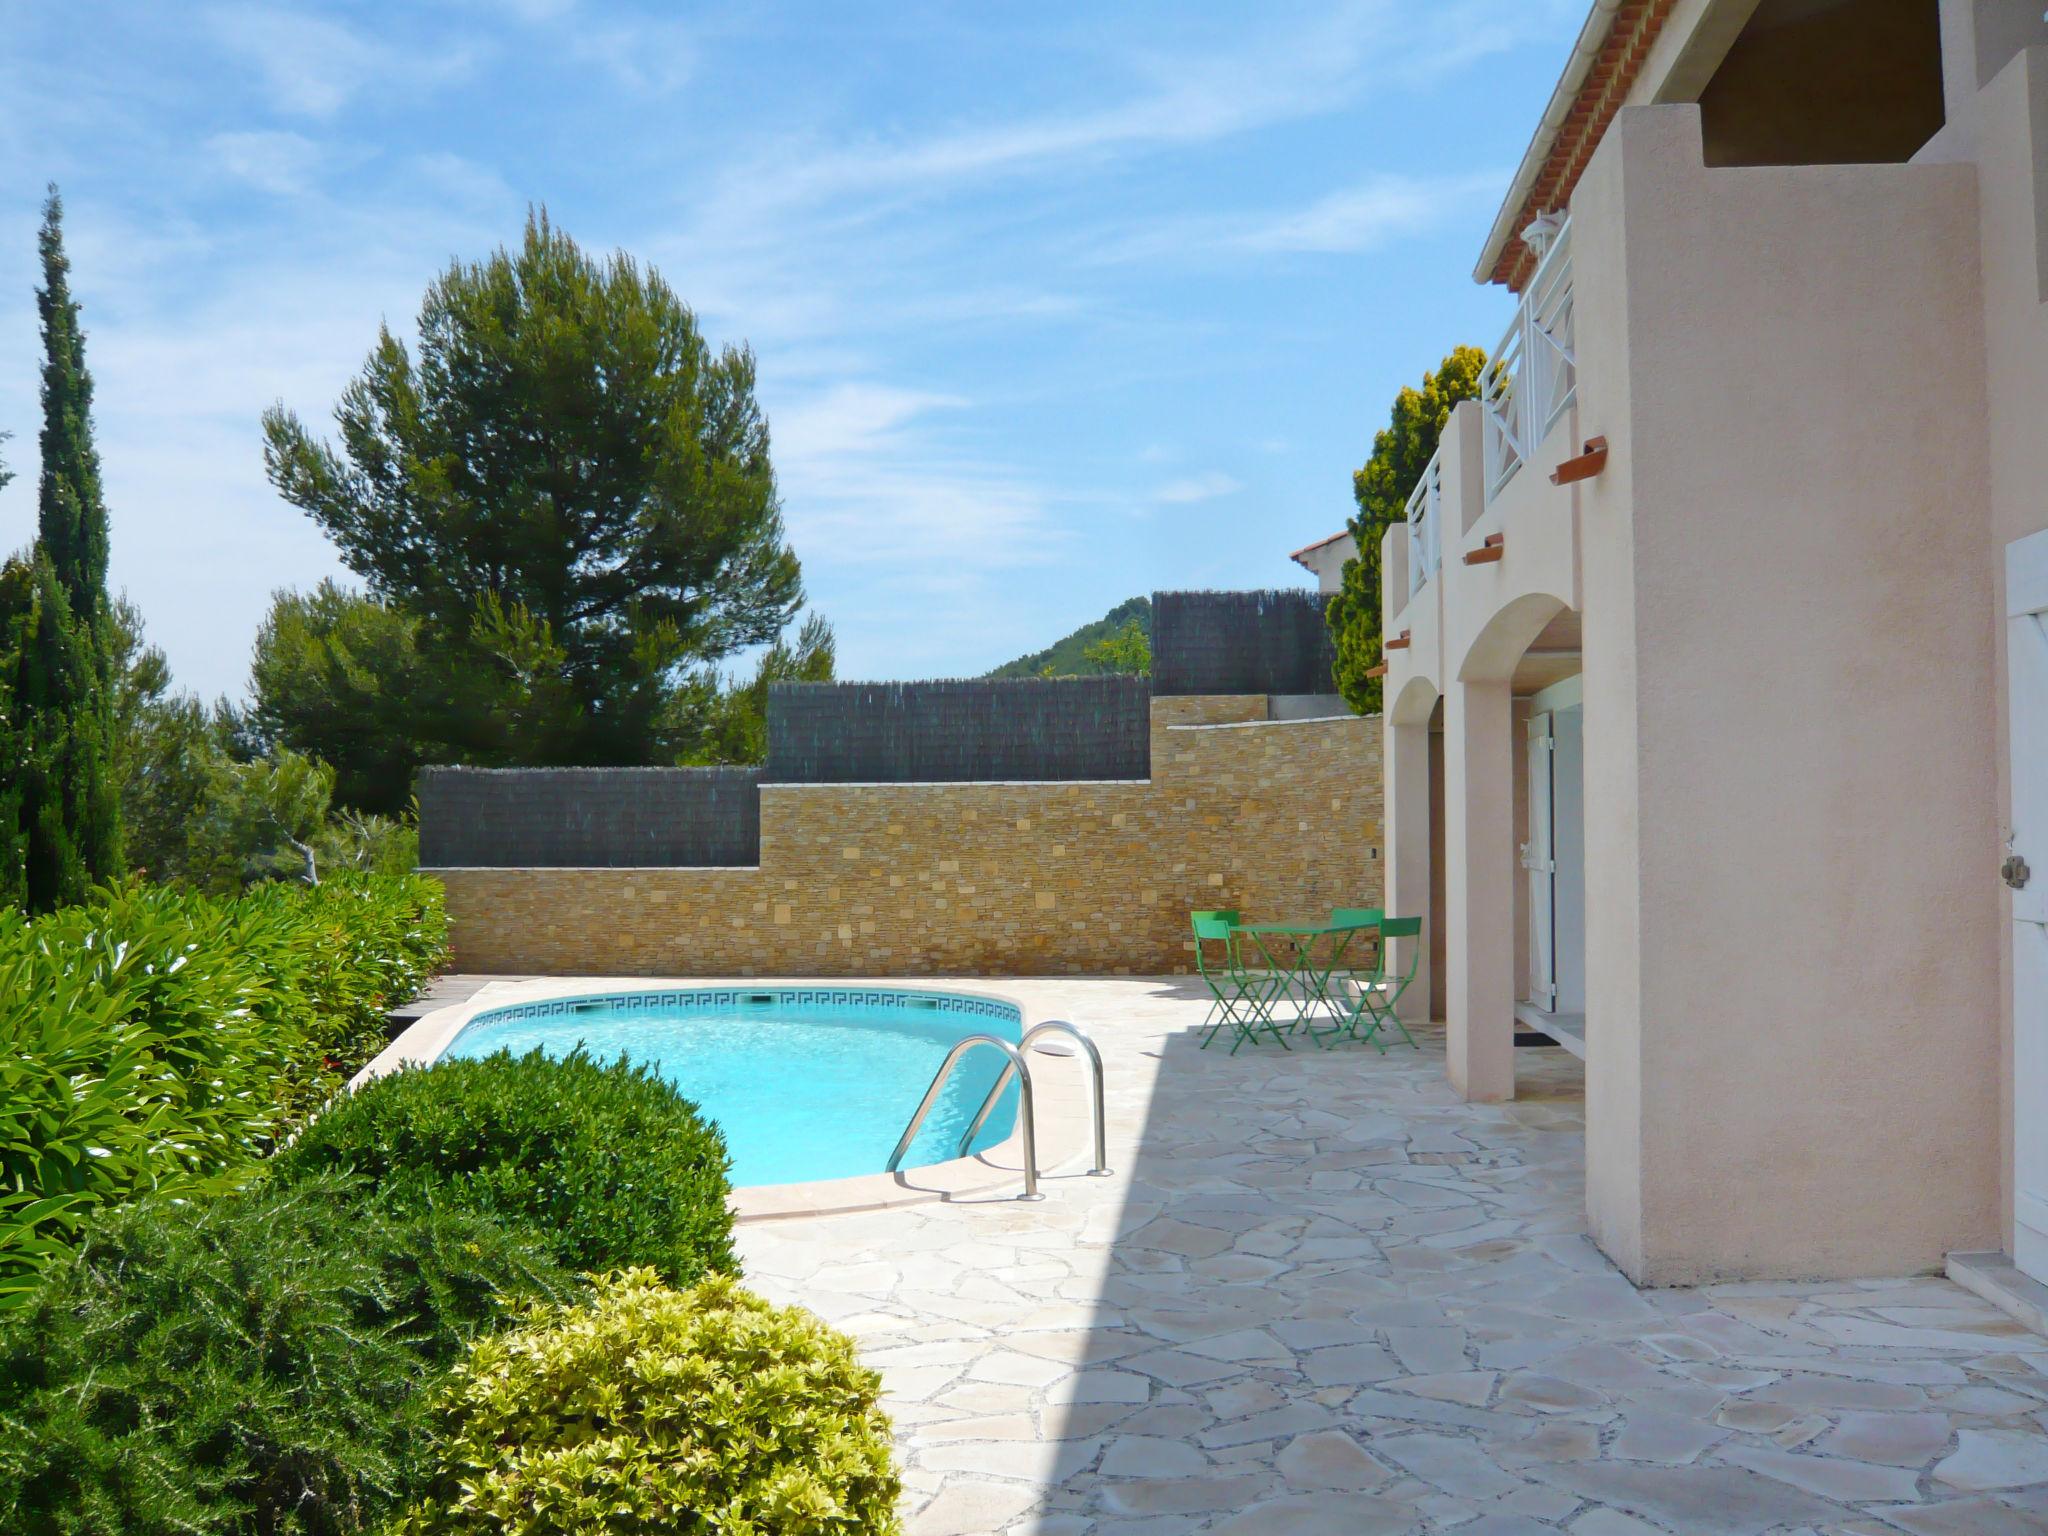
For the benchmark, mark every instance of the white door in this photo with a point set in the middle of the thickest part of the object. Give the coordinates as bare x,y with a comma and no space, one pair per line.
1568,848
2026,586
1539,858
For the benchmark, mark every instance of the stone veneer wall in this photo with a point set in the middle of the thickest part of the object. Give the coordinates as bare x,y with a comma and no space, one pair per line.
1279,819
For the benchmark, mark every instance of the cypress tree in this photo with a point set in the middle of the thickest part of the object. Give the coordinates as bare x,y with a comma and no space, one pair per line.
58,759
71,514
13,742
56,634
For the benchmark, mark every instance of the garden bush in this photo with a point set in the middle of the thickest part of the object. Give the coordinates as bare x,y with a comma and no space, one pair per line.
255,1363
652,1410
340,954
157,1039
608,1166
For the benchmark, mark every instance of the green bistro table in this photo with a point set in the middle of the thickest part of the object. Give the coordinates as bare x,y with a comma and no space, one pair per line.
1301,970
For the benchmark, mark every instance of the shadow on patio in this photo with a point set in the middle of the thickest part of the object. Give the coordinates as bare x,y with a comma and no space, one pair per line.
1323,1295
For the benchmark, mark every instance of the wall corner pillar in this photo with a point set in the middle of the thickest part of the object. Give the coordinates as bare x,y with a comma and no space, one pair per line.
1479,890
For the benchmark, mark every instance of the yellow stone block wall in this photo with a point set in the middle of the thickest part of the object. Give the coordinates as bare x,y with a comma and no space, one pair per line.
1278,819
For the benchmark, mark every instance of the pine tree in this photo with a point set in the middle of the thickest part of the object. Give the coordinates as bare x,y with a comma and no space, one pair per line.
59,795
565,500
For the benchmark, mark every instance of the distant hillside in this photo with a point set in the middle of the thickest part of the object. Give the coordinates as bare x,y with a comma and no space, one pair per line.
1064,655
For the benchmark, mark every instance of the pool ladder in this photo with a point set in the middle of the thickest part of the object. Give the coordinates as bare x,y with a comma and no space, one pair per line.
1020,1069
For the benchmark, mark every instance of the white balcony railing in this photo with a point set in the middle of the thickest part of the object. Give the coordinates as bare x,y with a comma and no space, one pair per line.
1426,524
1531,377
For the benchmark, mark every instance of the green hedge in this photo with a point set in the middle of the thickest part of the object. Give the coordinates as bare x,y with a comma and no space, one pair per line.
157,1039
607,1166
245,1366
651,1410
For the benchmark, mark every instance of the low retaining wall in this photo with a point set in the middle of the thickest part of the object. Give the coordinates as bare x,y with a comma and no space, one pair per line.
1276,818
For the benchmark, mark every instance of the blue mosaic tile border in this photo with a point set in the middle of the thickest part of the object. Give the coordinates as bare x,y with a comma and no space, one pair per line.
744,997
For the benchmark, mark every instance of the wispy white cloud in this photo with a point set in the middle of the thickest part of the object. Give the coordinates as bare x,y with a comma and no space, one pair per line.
270,161
1349,221
857,418
465,182
872,479
1189,489
312,66
1364,216
528,10
645,53
1186,98
648,56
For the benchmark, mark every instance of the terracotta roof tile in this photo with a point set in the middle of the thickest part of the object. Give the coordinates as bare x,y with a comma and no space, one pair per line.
1608,81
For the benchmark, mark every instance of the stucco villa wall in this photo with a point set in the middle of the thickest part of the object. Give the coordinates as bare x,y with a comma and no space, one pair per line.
1788,678
2003,129
1281,819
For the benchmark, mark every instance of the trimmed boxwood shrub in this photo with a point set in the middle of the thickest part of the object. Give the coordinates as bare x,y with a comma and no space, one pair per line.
607,1166
651,1410
156,1039
256,1363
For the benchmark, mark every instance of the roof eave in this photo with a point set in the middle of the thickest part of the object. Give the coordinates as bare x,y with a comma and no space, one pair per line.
1599,21
1299,557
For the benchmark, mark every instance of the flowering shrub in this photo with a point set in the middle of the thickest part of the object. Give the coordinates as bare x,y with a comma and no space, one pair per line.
652,1410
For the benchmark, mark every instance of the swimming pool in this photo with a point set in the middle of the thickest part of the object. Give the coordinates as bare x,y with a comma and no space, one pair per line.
807,1082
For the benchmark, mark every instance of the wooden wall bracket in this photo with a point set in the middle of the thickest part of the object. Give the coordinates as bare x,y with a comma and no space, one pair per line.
1495,547
1378,671
1590,461
1398,643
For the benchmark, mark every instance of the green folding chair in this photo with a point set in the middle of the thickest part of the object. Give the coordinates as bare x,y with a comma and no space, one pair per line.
1380,990
1231,918
1340,967
1242,997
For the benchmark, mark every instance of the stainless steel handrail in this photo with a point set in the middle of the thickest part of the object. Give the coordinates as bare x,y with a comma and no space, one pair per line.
1025,1111
1052,1027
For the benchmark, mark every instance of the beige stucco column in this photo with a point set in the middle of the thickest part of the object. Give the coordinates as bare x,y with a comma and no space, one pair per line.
1791,825
1407,820
1479,891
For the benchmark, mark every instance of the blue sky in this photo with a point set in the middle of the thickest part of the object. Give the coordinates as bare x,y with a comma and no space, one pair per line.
1054,302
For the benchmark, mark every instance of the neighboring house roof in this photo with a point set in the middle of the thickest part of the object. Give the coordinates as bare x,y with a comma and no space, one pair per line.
1299,556
1596,80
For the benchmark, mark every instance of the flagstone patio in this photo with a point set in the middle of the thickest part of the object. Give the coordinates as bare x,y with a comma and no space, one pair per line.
1322,1295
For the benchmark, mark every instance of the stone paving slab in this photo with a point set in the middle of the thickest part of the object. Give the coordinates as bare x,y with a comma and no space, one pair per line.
1323,1296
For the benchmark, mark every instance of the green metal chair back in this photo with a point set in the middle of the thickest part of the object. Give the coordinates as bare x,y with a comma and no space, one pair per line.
1214,928
1384,991
1240,999
1364,916
1401,928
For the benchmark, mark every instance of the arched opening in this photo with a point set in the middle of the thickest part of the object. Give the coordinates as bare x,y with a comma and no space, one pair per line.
1515,846
1415,837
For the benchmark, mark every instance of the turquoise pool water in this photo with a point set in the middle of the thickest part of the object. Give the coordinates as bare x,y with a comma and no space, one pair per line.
814,1083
